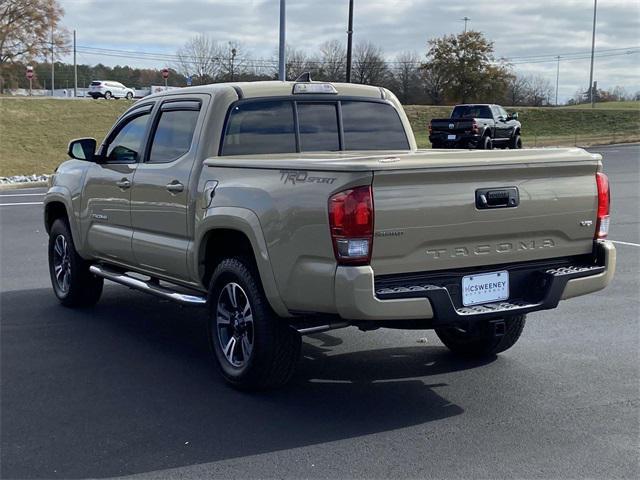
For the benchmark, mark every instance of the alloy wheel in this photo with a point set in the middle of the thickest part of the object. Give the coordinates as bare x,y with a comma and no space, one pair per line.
234,322
62,263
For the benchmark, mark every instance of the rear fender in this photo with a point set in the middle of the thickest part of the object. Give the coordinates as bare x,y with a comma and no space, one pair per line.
246,222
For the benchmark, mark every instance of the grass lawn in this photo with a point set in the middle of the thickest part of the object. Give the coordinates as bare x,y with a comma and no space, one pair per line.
34,133
626,105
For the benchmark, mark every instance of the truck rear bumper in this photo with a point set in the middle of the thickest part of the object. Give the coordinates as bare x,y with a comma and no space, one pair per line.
435,298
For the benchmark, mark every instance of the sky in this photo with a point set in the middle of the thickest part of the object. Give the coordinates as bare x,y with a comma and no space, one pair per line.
522,30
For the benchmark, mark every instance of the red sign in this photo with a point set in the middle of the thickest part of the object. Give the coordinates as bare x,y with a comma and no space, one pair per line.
165,73
29,73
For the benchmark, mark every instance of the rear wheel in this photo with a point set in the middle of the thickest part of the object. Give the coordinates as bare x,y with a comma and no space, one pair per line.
129,96
436,145
484,342
486,143
254,348
72,282
515,142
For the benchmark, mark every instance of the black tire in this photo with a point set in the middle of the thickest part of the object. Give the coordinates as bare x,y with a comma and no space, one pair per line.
72,282
266,350
483,343
486,143
436,145
515,142
129,96
108,96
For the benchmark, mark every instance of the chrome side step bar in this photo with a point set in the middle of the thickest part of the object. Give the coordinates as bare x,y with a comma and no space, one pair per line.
146,286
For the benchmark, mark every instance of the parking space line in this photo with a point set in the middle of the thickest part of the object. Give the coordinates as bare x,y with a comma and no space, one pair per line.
20,203
625,243
21,194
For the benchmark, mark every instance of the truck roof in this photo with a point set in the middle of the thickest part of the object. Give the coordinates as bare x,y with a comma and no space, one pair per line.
276,88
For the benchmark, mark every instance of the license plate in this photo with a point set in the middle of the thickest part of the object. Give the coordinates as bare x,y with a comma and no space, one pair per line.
485,288
451,137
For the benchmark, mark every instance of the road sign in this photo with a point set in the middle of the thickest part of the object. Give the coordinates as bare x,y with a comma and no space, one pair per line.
29,72
165,73
189,81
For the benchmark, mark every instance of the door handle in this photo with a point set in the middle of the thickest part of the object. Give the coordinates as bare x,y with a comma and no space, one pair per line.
175,187
123,184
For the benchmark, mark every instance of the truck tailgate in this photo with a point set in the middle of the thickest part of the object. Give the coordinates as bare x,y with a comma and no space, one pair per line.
428,219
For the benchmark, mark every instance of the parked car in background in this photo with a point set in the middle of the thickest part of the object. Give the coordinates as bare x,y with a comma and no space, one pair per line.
108,90
480,126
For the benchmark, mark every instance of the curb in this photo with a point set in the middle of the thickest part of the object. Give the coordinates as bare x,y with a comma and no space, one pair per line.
16,186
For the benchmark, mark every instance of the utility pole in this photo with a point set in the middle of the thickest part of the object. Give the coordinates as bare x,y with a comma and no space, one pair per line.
53,61
557,79
349,41
593,48
75,68
465,19
281,54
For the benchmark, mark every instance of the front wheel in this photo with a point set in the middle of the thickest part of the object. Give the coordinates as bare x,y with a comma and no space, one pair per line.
515,142
73,283
108,96
483,343
254,348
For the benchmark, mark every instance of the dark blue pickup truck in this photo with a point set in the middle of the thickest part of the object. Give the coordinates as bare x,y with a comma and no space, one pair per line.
482,126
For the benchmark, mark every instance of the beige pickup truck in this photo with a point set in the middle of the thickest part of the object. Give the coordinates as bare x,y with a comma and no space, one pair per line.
288,208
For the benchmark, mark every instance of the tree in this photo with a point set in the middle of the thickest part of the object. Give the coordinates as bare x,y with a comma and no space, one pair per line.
26,28
200,57
467,66
406,77
369,66
333,57
517,90
540,91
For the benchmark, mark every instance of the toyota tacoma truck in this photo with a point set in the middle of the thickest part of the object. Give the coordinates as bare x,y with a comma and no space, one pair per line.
288,208
481,126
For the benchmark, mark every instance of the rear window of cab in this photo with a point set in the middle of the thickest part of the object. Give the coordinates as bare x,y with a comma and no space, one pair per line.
289,126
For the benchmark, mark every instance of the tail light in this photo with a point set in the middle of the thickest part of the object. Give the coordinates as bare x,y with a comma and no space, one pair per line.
474,128
351,223
604,200
430,128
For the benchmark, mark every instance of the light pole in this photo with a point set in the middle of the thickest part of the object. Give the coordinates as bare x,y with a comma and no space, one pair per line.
593,47
465,19
75,68
281,54
233,57
349,41
557,78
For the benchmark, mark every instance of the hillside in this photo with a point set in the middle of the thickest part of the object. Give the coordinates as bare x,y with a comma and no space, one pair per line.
34,133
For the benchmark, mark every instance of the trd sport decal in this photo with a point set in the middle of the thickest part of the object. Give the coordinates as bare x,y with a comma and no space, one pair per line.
300,176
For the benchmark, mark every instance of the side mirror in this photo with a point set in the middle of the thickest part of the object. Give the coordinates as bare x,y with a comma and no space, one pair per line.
83,149
513,116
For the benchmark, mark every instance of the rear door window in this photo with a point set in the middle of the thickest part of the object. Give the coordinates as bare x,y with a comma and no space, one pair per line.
173,135
318,125
372,126
260,127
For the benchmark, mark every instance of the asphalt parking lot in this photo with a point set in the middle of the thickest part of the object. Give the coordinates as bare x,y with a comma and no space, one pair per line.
127,388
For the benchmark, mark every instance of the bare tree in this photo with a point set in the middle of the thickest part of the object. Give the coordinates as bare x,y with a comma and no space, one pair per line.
434,82
26,28
517,90
369,66
540,90
406,76
201,57
334,61
233,62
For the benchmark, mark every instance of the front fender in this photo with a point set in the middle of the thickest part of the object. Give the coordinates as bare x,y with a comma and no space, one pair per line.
246,222
61,194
